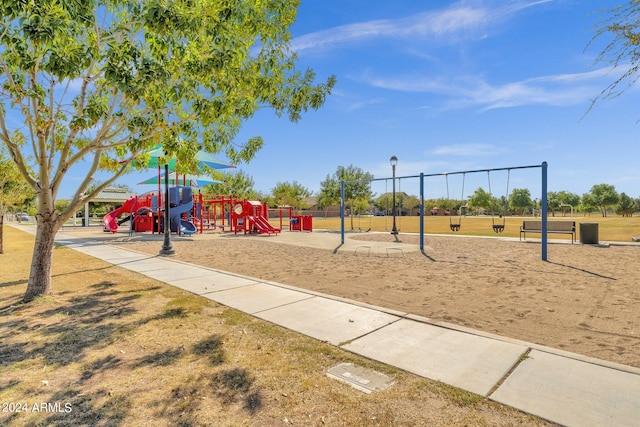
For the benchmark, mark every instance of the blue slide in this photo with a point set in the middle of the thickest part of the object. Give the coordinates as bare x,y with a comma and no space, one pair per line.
186,227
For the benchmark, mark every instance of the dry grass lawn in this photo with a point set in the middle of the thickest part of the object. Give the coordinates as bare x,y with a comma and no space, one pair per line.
612,228
113,348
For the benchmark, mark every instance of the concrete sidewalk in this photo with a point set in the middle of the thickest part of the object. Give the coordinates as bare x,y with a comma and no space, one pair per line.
562,387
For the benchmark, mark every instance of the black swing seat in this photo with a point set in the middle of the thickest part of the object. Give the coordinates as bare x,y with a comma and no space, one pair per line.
498,228
455,227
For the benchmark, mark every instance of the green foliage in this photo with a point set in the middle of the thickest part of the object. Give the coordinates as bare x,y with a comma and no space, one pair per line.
621,27
98,82
290,194
61,205
410,203
384,203
626,206
405,203
357,188
8,177
520,200
480,199
14,191
602,196
236,183
102,81
329,192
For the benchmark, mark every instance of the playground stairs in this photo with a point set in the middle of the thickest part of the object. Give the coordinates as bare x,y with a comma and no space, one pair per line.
261,225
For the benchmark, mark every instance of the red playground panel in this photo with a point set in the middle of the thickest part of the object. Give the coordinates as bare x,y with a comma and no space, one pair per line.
251,216
301,223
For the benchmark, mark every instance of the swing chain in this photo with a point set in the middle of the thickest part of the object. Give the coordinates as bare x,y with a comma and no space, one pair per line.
498,228
456,226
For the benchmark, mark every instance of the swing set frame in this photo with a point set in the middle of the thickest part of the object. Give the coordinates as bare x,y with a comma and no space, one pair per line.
543,203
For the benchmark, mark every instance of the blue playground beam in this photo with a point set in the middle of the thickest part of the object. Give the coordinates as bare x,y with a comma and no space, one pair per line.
544,209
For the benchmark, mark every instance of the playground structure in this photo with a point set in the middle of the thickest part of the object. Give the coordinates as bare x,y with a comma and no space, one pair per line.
251,216
144,213
497,226
193,213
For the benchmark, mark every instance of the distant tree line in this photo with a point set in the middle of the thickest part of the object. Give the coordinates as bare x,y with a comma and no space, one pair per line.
361,200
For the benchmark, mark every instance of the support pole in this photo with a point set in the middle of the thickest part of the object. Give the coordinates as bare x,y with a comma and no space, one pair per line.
342,212
422,212
544,208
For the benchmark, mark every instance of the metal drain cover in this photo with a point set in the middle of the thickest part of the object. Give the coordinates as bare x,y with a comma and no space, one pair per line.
363,379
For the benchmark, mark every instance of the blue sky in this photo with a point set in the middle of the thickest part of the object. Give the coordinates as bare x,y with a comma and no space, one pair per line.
451,86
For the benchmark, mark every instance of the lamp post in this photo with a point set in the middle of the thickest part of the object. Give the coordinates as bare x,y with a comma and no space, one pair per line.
167,249
394,161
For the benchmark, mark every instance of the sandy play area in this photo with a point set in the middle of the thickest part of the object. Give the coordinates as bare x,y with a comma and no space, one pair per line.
585,299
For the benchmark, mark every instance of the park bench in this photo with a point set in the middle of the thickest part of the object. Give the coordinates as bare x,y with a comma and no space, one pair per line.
557,227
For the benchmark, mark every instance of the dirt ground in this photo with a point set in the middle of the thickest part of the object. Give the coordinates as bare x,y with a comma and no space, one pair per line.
584,299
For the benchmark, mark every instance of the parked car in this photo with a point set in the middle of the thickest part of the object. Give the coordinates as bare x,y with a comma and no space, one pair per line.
22,217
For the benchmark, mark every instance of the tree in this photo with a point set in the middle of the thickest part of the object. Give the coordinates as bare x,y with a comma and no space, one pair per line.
588,204
329,194
14,191
61,205
98,82
9,176
236,183
602,196
383,203
410,202
356,187
626,206
405,202
553,202
480,199
520,199
622,50
290,194
562,200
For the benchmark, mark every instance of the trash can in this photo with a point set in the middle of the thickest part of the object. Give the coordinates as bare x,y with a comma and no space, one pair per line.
295,223
589,233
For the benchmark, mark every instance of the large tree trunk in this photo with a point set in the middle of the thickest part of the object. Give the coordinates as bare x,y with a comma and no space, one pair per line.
42,261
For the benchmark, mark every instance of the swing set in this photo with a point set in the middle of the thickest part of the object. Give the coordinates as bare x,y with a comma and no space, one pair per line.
497,225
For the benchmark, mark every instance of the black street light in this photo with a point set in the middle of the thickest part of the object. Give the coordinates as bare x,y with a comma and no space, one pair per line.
167,249
394,161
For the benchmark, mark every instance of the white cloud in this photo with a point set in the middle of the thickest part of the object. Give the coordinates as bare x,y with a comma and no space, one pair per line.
361,104
475,91
460,19
466,150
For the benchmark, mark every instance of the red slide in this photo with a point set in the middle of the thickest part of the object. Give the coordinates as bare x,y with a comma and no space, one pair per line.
110,220
261,224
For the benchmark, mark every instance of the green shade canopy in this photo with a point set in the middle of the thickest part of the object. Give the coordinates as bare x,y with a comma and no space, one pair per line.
157,158
183,179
